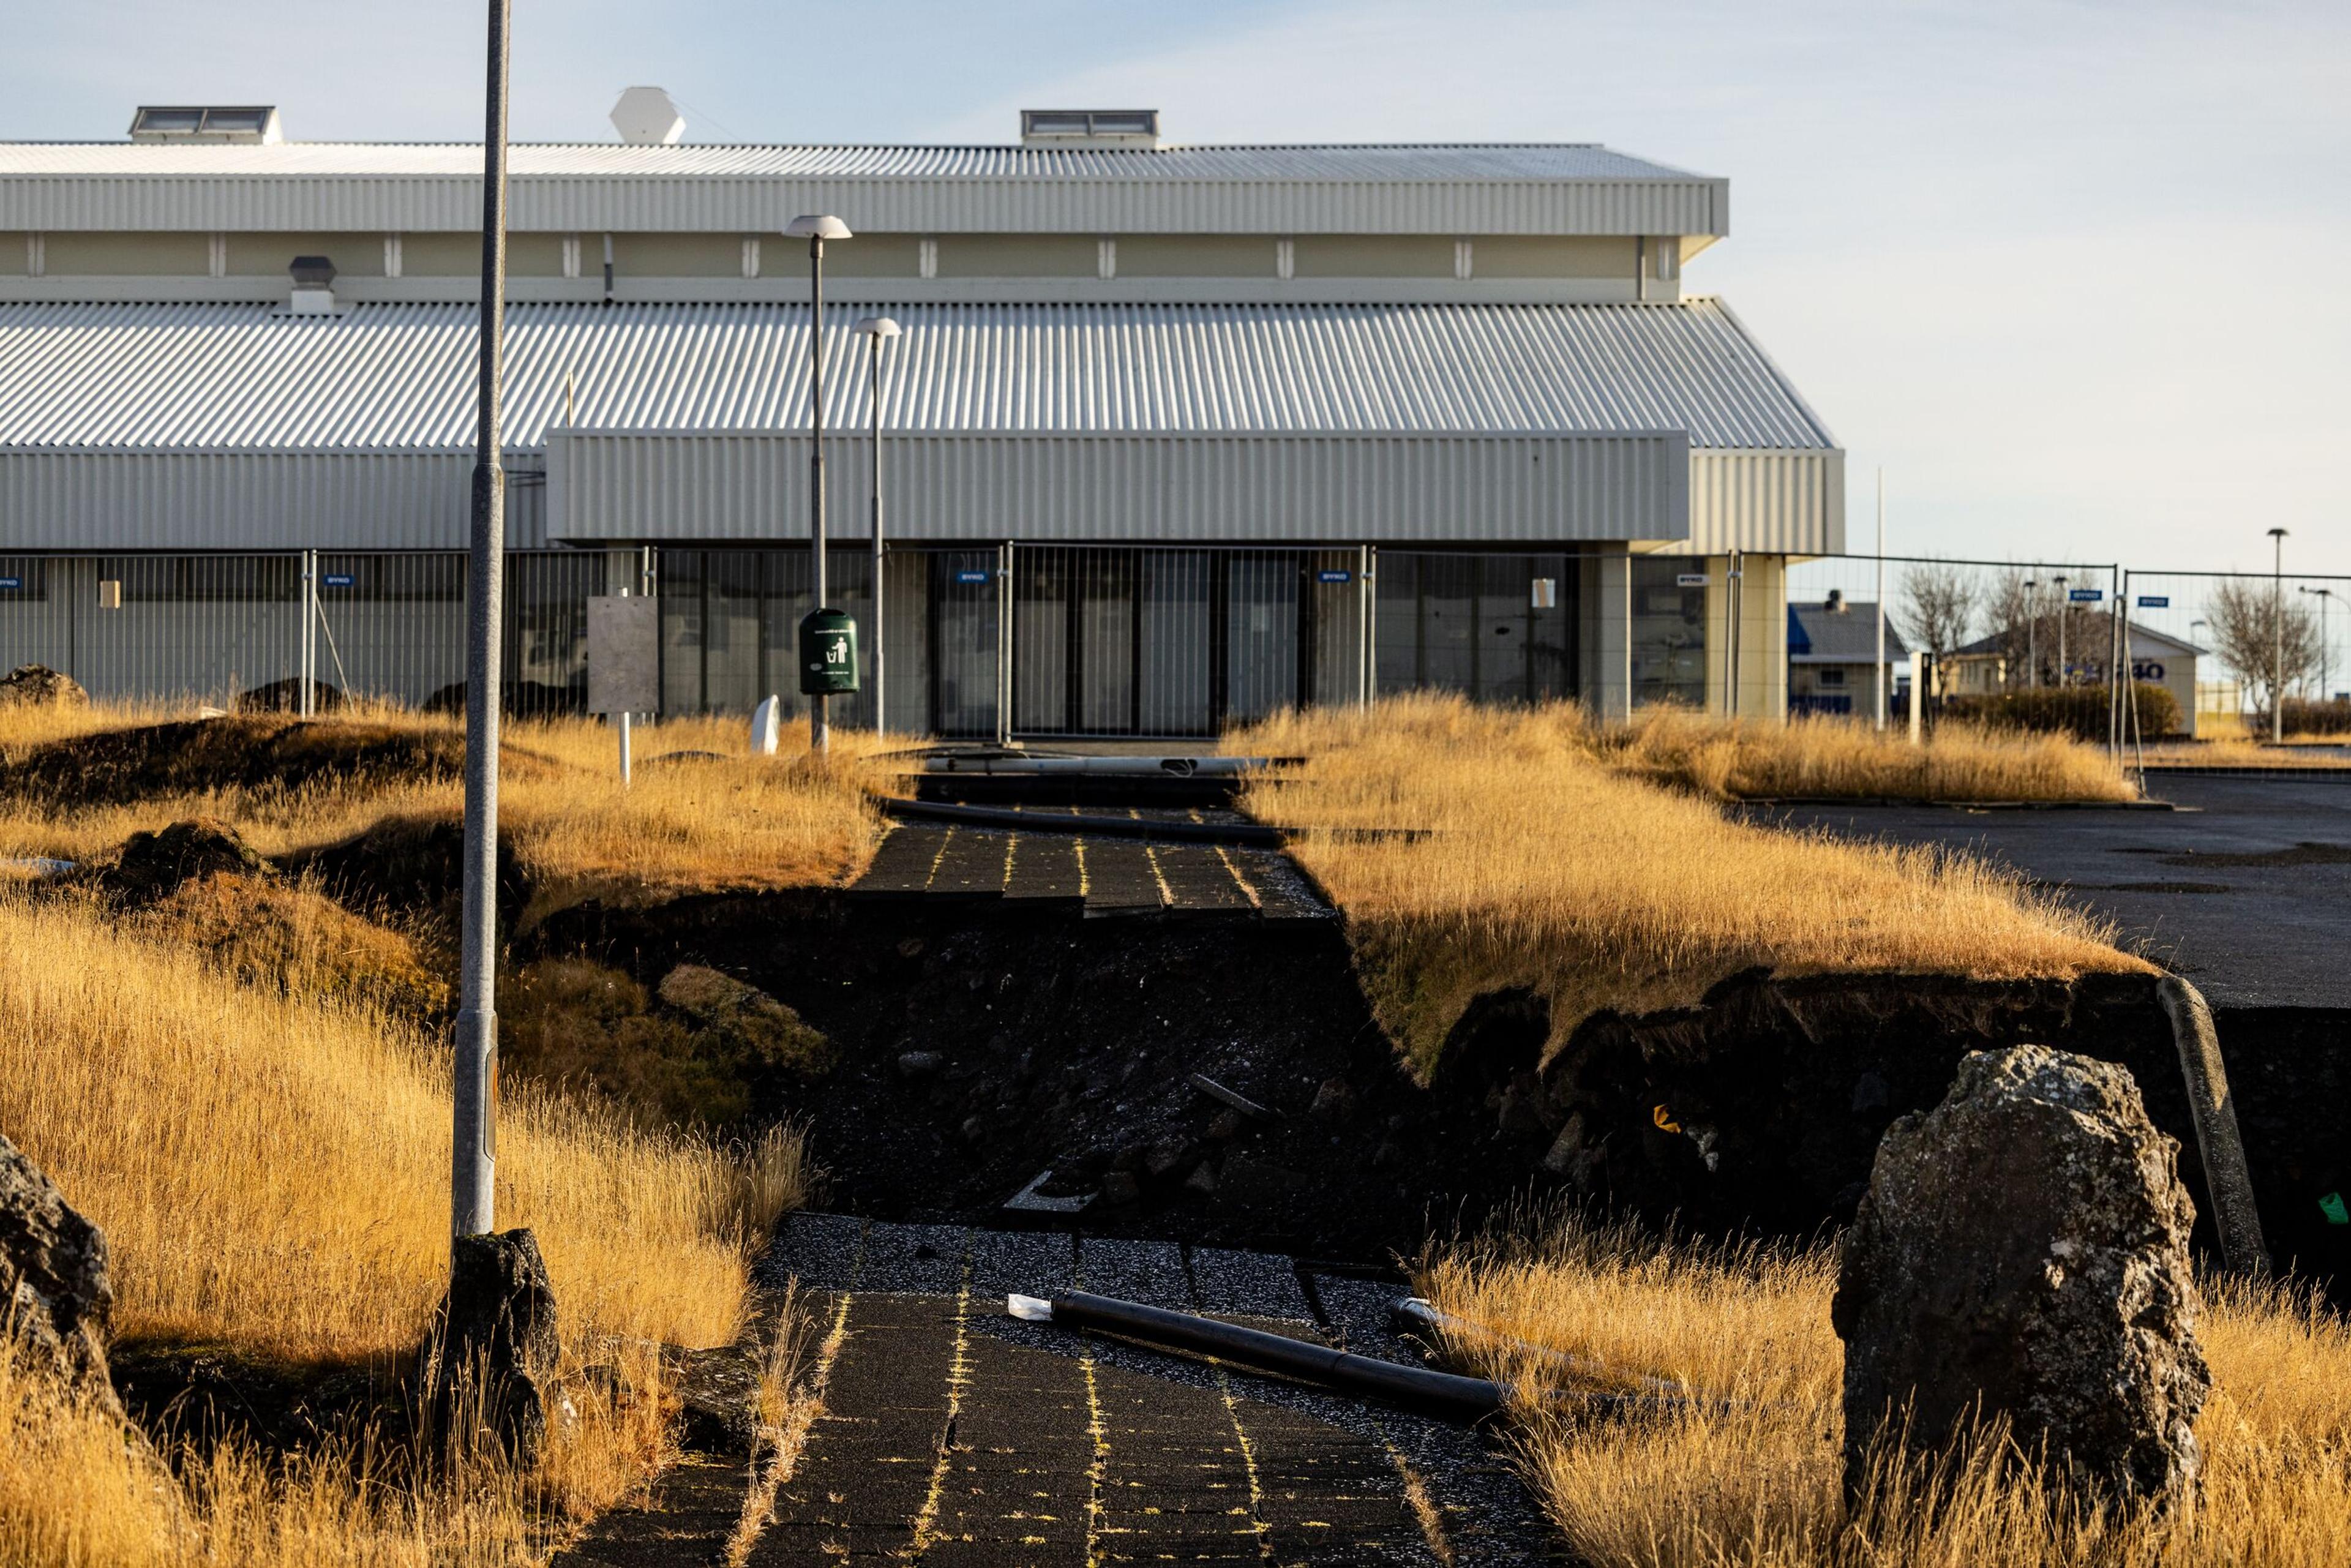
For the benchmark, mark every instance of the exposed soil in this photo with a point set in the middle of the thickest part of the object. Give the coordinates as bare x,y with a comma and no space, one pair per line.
981,1048
238,751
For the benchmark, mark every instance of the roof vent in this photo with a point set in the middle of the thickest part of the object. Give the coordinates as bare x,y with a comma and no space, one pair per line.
1836,605
313,275
646,117
1090,127
205,122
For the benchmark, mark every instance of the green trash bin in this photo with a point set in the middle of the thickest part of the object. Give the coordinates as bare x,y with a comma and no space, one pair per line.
827,654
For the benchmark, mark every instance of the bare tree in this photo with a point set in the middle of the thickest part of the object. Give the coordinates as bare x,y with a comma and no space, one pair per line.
2242,618
2008,615
1938,610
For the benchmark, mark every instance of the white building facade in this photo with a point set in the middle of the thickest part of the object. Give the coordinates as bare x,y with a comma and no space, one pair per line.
1173,434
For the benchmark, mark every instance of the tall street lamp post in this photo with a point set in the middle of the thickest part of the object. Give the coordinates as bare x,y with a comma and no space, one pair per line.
474,1143
876,330
2325,597
816,228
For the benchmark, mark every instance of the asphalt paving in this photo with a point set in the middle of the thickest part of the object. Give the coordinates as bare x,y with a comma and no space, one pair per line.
2244,888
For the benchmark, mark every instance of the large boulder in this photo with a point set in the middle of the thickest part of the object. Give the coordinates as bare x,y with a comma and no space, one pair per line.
493,1347
54,1289
37,685
2022,1251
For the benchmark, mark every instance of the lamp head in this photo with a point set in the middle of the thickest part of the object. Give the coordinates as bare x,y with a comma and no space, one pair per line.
816,225
2277,533
878,328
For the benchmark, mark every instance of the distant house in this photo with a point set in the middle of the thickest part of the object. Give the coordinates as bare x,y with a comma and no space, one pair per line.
1981,668
1833,656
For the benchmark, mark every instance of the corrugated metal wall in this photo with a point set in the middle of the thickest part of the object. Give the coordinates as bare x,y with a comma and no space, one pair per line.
1777,502
254,500
316,203
1158,488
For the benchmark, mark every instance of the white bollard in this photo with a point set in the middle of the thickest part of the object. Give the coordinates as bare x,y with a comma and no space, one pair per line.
763,727
621,722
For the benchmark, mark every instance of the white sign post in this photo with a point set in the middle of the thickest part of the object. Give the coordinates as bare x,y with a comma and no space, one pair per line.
623,662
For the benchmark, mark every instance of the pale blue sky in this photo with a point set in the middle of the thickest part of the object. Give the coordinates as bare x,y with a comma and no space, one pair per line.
2073,271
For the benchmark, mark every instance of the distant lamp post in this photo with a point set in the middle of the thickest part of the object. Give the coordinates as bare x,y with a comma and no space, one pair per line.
816,228
876,330
2277,637
2063,676
2325,597
2032,633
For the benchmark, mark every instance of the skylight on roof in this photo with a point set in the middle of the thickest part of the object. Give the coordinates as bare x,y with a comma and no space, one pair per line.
1099,127
205,123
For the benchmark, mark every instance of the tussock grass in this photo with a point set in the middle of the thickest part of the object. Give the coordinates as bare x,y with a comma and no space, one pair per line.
1756,1482
726,821
1546,867
1811,757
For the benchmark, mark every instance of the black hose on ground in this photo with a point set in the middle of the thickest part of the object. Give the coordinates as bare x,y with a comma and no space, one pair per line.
1414,1387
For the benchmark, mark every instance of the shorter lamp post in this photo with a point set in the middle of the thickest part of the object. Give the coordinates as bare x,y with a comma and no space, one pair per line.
816,228
876,330
2277,638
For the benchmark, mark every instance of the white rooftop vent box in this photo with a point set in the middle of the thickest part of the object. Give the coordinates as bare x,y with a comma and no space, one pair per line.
647,117
314,294
1090,127
205,122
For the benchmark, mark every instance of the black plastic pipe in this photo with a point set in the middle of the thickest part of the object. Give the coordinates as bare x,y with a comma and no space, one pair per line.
1417,1387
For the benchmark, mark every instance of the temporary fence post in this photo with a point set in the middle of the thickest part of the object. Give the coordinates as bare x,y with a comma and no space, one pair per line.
1734,664
1367,607
2117,657
309,641
1877,672
1004,643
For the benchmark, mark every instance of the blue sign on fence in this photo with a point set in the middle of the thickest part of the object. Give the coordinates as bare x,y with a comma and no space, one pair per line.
339,579
2155,601
2085,595
972,576
11,583
1334,576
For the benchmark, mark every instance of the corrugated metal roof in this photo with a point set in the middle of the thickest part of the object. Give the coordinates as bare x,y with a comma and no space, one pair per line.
1440,161
400,376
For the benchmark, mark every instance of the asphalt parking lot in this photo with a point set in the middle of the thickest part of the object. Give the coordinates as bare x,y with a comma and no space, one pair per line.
2245,889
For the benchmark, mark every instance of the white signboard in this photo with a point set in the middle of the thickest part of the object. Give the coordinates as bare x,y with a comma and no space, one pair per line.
623,654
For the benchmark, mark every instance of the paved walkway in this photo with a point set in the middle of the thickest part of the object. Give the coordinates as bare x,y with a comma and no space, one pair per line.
955,1436
2244,889
1103,876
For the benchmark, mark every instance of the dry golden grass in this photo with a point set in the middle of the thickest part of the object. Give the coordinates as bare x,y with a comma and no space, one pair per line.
1757,1482
1846,759
726,822
1545,868
296,939
2319,752
274,1171
271,1171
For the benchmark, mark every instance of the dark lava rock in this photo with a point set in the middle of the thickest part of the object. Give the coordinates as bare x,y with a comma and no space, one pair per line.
152,866
286,697
32,685
54,1290
493,1344
2024,1245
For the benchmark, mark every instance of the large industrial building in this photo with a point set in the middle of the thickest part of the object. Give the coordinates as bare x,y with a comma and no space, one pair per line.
1173,434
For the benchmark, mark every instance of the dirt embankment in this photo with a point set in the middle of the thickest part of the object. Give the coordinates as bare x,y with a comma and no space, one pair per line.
980,1049
238,751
